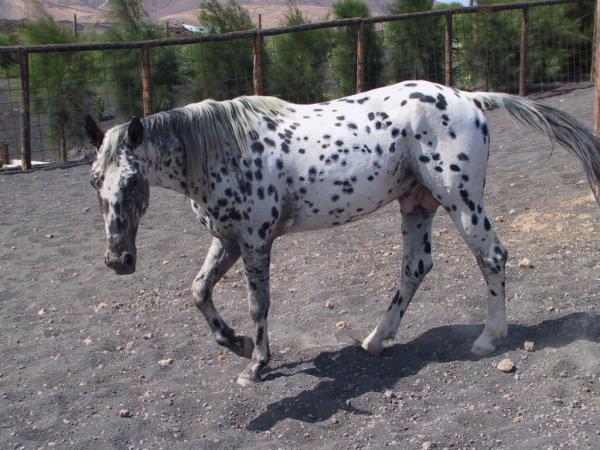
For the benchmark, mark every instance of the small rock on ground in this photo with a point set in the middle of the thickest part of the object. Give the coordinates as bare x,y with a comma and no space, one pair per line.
506,365
526,263
125,413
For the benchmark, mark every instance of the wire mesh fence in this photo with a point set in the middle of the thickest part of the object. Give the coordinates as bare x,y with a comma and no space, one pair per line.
469,48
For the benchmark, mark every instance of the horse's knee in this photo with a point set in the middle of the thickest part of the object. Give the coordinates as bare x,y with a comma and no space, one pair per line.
201,292
495,261
501,253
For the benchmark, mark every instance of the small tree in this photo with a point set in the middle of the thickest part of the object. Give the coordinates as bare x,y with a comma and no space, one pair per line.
489,52
343,58
225,67
8,61
297,70
555,38
131,23
59,83
416,45
582,13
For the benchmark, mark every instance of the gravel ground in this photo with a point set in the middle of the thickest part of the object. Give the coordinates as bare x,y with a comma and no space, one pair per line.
81,346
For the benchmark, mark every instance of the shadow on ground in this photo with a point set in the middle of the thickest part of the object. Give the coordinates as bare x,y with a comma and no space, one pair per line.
349,372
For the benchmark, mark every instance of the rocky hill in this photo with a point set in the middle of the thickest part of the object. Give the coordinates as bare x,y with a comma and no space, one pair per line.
93,11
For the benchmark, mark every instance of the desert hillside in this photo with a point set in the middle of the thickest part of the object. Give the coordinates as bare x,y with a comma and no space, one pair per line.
186,11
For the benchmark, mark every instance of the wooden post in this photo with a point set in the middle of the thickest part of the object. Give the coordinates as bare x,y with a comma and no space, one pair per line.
75,24
596,50
25,111
146,88
448,49
257,73
523,53
5,153
360,58
257,80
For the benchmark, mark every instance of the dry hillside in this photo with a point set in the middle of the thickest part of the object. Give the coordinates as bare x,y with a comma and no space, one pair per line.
93,11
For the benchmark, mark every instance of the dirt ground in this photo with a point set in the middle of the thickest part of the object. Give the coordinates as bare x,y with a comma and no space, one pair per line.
79,343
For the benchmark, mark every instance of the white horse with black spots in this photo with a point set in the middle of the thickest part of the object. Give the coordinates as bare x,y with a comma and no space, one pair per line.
256,168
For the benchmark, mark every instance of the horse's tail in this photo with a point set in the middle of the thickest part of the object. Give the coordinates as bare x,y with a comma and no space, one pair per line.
557,125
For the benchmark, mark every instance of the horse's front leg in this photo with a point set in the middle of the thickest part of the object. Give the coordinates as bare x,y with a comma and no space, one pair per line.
221,256
256,265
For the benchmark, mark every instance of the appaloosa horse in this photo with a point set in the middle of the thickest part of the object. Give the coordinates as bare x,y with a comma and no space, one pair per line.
259,167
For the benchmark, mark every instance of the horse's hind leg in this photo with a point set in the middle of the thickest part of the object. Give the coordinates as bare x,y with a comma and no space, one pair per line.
257,260
221,256
416,262
474,226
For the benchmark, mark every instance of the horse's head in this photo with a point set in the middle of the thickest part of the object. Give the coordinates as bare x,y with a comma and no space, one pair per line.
122,189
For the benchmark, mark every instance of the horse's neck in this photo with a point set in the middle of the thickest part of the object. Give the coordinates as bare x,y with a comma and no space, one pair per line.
164,167
168,168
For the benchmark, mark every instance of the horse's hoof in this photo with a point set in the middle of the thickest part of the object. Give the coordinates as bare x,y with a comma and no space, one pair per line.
245,381
249,376
483,347
244,347
373,347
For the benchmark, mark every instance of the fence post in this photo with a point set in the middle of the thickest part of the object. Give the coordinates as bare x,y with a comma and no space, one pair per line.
596,59
257,71
5,153
257,78
448,45
25,111
146,87
74,24
360,58
523,53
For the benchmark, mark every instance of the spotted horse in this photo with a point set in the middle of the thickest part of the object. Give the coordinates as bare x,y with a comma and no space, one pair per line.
256,168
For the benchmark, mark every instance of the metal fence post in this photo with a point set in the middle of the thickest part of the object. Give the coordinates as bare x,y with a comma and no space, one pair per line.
448,50
523,53
25,111
360,58
146,87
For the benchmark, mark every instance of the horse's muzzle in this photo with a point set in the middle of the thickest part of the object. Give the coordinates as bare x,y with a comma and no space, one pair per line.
122,264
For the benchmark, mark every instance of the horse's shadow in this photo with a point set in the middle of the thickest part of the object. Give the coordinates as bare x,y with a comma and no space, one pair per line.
350,371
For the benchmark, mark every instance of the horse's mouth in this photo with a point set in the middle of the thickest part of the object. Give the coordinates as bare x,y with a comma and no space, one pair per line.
123,264
124,271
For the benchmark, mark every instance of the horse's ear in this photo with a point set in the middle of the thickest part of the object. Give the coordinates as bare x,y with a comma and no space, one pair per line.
94,133
135,132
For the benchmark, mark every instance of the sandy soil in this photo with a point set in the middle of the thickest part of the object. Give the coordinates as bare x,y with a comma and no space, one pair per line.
79,343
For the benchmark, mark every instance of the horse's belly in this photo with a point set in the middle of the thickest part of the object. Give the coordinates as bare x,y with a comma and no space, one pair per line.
322,208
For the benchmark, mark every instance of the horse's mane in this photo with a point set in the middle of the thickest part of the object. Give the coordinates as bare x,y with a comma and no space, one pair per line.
201,127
